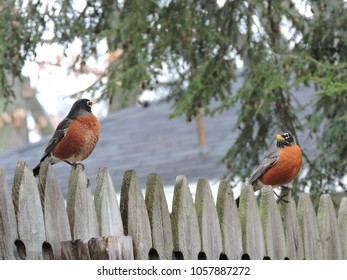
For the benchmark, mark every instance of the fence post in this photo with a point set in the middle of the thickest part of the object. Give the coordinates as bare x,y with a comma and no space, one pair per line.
211,239
8,227
185,227
342,224
134,215
54,211
29,216
229,221
275,243
309,228
252,231
292,230
159,217
329,232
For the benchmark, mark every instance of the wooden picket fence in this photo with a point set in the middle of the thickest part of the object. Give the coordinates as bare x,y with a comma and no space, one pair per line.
36,223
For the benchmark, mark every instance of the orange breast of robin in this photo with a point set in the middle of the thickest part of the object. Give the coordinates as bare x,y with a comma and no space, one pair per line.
286,168
80,139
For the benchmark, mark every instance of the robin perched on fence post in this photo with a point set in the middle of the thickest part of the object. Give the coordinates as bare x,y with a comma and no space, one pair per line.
74,138
280,165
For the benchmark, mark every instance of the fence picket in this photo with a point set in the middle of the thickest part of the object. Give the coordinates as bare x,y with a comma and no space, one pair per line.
342,224
252,231
134,215
28,210
329,233
229,221
106,205
80,207
309,228
211,239
8,233
53,206
185,227
272,225
292,231
159,217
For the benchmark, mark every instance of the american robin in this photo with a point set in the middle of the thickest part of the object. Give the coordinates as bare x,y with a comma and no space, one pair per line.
280,165
75,137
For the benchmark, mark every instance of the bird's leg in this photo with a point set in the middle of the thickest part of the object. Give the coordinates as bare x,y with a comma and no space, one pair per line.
279,197
75,164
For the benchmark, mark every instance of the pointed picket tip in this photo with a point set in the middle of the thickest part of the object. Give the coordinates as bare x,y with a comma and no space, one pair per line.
8,227
159,217
309,228
229,222
328,229
252,231
134,215
292,230
53,206
211,238
106,205
28,210
80,207
275,244
184,221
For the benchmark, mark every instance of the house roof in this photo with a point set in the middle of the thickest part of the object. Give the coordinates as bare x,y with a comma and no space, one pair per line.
146,140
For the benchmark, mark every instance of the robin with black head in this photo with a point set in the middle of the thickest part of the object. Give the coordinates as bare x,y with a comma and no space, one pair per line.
74,138
280,165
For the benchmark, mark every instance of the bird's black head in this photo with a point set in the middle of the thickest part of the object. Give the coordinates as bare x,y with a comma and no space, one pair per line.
285,139
81,107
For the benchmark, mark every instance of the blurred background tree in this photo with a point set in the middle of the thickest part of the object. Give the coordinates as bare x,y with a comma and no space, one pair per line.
280,45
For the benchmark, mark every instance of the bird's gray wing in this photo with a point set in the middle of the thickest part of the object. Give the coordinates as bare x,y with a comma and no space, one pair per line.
56,138
269,160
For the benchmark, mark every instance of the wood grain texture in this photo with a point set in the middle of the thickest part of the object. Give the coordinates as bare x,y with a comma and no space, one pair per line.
28,210
106,205
328,229
159,217
275,244
185,226
342,224
229,221
211,238
80,207
8,227
134,215
252,231
54,211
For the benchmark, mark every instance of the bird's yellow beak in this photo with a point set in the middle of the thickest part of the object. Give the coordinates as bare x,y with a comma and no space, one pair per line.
92,102
280,138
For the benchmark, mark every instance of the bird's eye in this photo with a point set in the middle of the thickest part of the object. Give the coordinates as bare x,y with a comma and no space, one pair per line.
286,135
89,103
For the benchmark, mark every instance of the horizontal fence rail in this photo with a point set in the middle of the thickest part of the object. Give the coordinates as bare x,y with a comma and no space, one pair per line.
36,222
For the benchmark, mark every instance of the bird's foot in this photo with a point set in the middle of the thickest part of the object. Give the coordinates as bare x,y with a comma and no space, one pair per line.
280,198
76,164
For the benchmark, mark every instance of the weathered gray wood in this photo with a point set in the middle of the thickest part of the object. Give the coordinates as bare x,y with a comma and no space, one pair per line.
80,207
184,221
309,228
134,215
106,205
53,206
252,231
211,238
159,217
342,224
275,244
29,216
111,248
292,231
75,250
8,226
229,222
328,230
